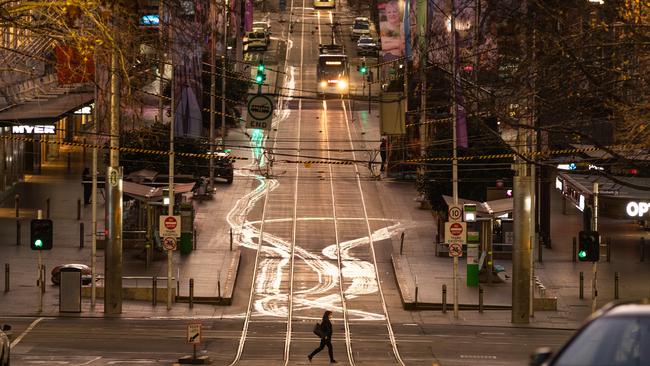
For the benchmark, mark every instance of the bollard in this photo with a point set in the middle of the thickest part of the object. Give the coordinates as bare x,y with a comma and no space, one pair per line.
17,232
575,250
582,283
47,208
642,249
17,204
230,239
480,299
81,235
401,243
615,285
219,289
6,277
444,299
191,293
42,278
78,209
609,249
154,290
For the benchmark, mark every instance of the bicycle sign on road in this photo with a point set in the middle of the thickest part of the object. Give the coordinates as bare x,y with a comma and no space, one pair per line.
260,111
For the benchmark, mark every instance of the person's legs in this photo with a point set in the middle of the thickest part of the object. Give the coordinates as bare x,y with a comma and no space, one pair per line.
330,350
318,349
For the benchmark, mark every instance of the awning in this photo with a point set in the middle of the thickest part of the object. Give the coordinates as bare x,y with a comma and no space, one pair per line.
45,111
152,194
494,207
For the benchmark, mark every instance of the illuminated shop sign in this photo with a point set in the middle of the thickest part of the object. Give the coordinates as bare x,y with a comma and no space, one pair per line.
559,184
38,129
637,209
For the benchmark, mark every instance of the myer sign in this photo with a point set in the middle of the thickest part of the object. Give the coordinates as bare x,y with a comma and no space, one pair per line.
637,209
39,129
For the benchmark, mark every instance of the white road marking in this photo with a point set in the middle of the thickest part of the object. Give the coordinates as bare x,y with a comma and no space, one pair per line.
23,334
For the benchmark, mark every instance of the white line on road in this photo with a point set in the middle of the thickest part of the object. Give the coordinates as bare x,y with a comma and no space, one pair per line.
23,334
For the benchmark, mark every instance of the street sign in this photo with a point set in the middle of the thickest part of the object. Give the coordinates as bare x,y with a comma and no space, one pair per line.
455,232
260,111
456,250
194,333
169,243
455,213
170,226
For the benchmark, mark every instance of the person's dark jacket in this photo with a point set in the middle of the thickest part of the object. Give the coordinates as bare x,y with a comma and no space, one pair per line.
326,326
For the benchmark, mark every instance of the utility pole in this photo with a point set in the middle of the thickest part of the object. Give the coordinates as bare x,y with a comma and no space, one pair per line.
454,161
93,198
170,209
213,90
113,258
523,202
223,73
594,265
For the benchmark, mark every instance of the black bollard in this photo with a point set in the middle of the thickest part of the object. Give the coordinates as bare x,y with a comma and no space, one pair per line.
191,293
154,290
574,251
480,299
609,249
219,289
78,209
416,296
17,232
230,239
401,243
444,298
81,235
17,204
6,277
615,285
582,283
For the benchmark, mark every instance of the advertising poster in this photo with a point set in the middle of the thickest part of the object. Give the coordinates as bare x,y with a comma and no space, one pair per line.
391,29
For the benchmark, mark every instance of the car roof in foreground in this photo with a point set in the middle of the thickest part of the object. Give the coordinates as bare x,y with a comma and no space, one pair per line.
632,309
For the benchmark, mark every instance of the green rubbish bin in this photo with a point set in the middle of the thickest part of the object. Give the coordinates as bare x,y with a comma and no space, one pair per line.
186,244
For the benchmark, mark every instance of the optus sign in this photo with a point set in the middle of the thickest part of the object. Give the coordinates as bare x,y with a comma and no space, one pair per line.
637,209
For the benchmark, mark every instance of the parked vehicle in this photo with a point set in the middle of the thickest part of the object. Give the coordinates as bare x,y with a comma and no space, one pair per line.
86,273
5,346
366,46
616,335
265,28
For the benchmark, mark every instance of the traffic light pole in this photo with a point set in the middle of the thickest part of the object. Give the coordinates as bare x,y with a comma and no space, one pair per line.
594,265
454,162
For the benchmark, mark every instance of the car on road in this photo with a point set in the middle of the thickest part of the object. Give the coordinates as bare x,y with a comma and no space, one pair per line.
255,40
264,27
360,27
5,346
366,46
616,335
86,273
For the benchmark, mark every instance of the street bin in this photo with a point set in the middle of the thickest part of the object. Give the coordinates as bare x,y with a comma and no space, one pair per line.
70,290
187,226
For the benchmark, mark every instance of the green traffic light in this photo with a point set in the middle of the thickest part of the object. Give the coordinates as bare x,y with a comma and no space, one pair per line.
363,69
38,243
259,79
582,254
260,67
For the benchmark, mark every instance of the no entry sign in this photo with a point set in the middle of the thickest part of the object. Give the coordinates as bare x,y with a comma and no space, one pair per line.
170,226
455,232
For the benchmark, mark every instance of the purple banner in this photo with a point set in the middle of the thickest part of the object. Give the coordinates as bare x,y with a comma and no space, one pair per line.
248,18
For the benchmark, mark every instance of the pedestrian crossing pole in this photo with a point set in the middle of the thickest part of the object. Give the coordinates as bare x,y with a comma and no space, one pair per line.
594,265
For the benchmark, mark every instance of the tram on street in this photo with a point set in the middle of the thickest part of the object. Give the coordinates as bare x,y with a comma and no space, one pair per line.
324,4
332,70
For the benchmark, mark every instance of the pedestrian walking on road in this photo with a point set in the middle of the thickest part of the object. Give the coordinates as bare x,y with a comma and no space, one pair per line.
382,152
326,338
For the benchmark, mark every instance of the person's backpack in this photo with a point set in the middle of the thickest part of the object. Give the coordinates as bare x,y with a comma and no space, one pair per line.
318,330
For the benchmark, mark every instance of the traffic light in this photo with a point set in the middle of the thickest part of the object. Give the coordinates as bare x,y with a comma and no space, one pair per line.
588,246
261,74
363,69
41,234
